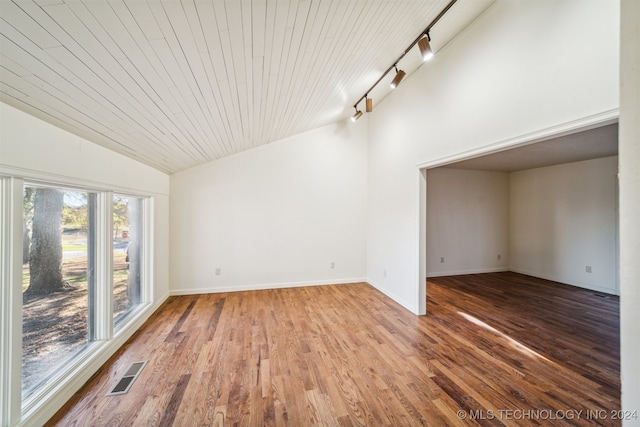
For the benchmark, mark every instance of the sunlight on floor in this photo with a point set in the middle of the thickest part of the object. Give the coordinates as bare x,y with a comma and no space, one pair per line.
515,344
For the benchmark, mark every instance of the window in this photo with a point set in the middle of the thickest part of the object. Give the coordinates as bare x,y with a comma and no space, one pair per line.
74,269
127,250
58,255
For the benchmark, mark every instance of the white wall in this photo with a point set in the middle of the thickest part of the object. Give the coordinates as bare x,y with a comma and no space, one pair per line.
629,144
467,221
275,216
522,67
562,219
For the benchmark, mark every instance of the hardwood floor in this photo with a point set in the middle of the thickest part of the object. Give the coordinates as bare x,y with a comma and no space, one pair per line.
495,349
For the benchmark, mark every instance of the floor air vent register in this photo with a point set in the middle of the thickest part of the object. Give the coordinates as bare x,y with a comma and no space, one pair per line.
126,381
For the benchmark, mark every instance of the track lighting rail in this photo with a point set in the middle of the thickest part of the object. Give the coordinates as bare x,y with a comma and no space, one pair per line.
393,66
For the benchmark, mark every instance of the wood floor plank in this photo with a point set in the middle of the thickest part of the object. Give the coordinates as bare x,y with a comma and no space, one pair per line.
346,355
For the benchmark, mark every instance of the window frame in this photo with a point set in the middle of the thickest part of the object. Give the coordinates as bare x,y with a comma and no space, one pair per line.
11,212
15,409
95,293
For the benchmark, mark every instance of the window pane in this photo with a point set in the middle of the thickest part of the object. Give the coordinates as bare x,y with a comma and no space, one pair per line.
57,280
127,247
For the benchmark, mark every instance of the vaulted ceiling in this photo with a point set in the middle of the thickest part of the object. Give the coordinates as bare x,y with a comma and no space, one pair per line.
175,84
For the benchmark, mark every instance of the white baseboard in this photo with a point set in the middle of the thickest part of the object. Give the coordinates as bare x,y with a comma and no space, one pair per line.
264,286
562,280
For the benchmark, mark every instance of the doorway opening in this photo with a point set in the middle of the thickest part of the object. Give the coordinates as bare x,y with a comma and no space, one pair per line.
502,171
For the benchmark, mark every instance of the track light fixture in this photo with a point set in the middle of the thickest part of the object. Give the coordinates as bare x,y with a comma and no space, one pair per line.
423,42
425,47
398,78
357,115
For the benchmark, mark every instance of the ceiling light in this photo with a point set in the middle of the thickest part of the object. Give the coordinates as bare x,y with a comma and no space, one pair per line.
425,47
398,78
357,115
369,104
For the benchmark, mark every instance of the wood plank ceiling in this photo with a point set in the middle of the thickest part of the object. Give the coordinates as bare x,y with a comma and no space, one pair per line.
175,84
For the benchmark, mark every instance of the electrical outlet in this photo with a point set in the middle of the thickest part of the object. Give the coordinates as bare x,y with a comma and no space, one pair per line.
499,257
218,271
587,269
333,265
441,260
384,273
